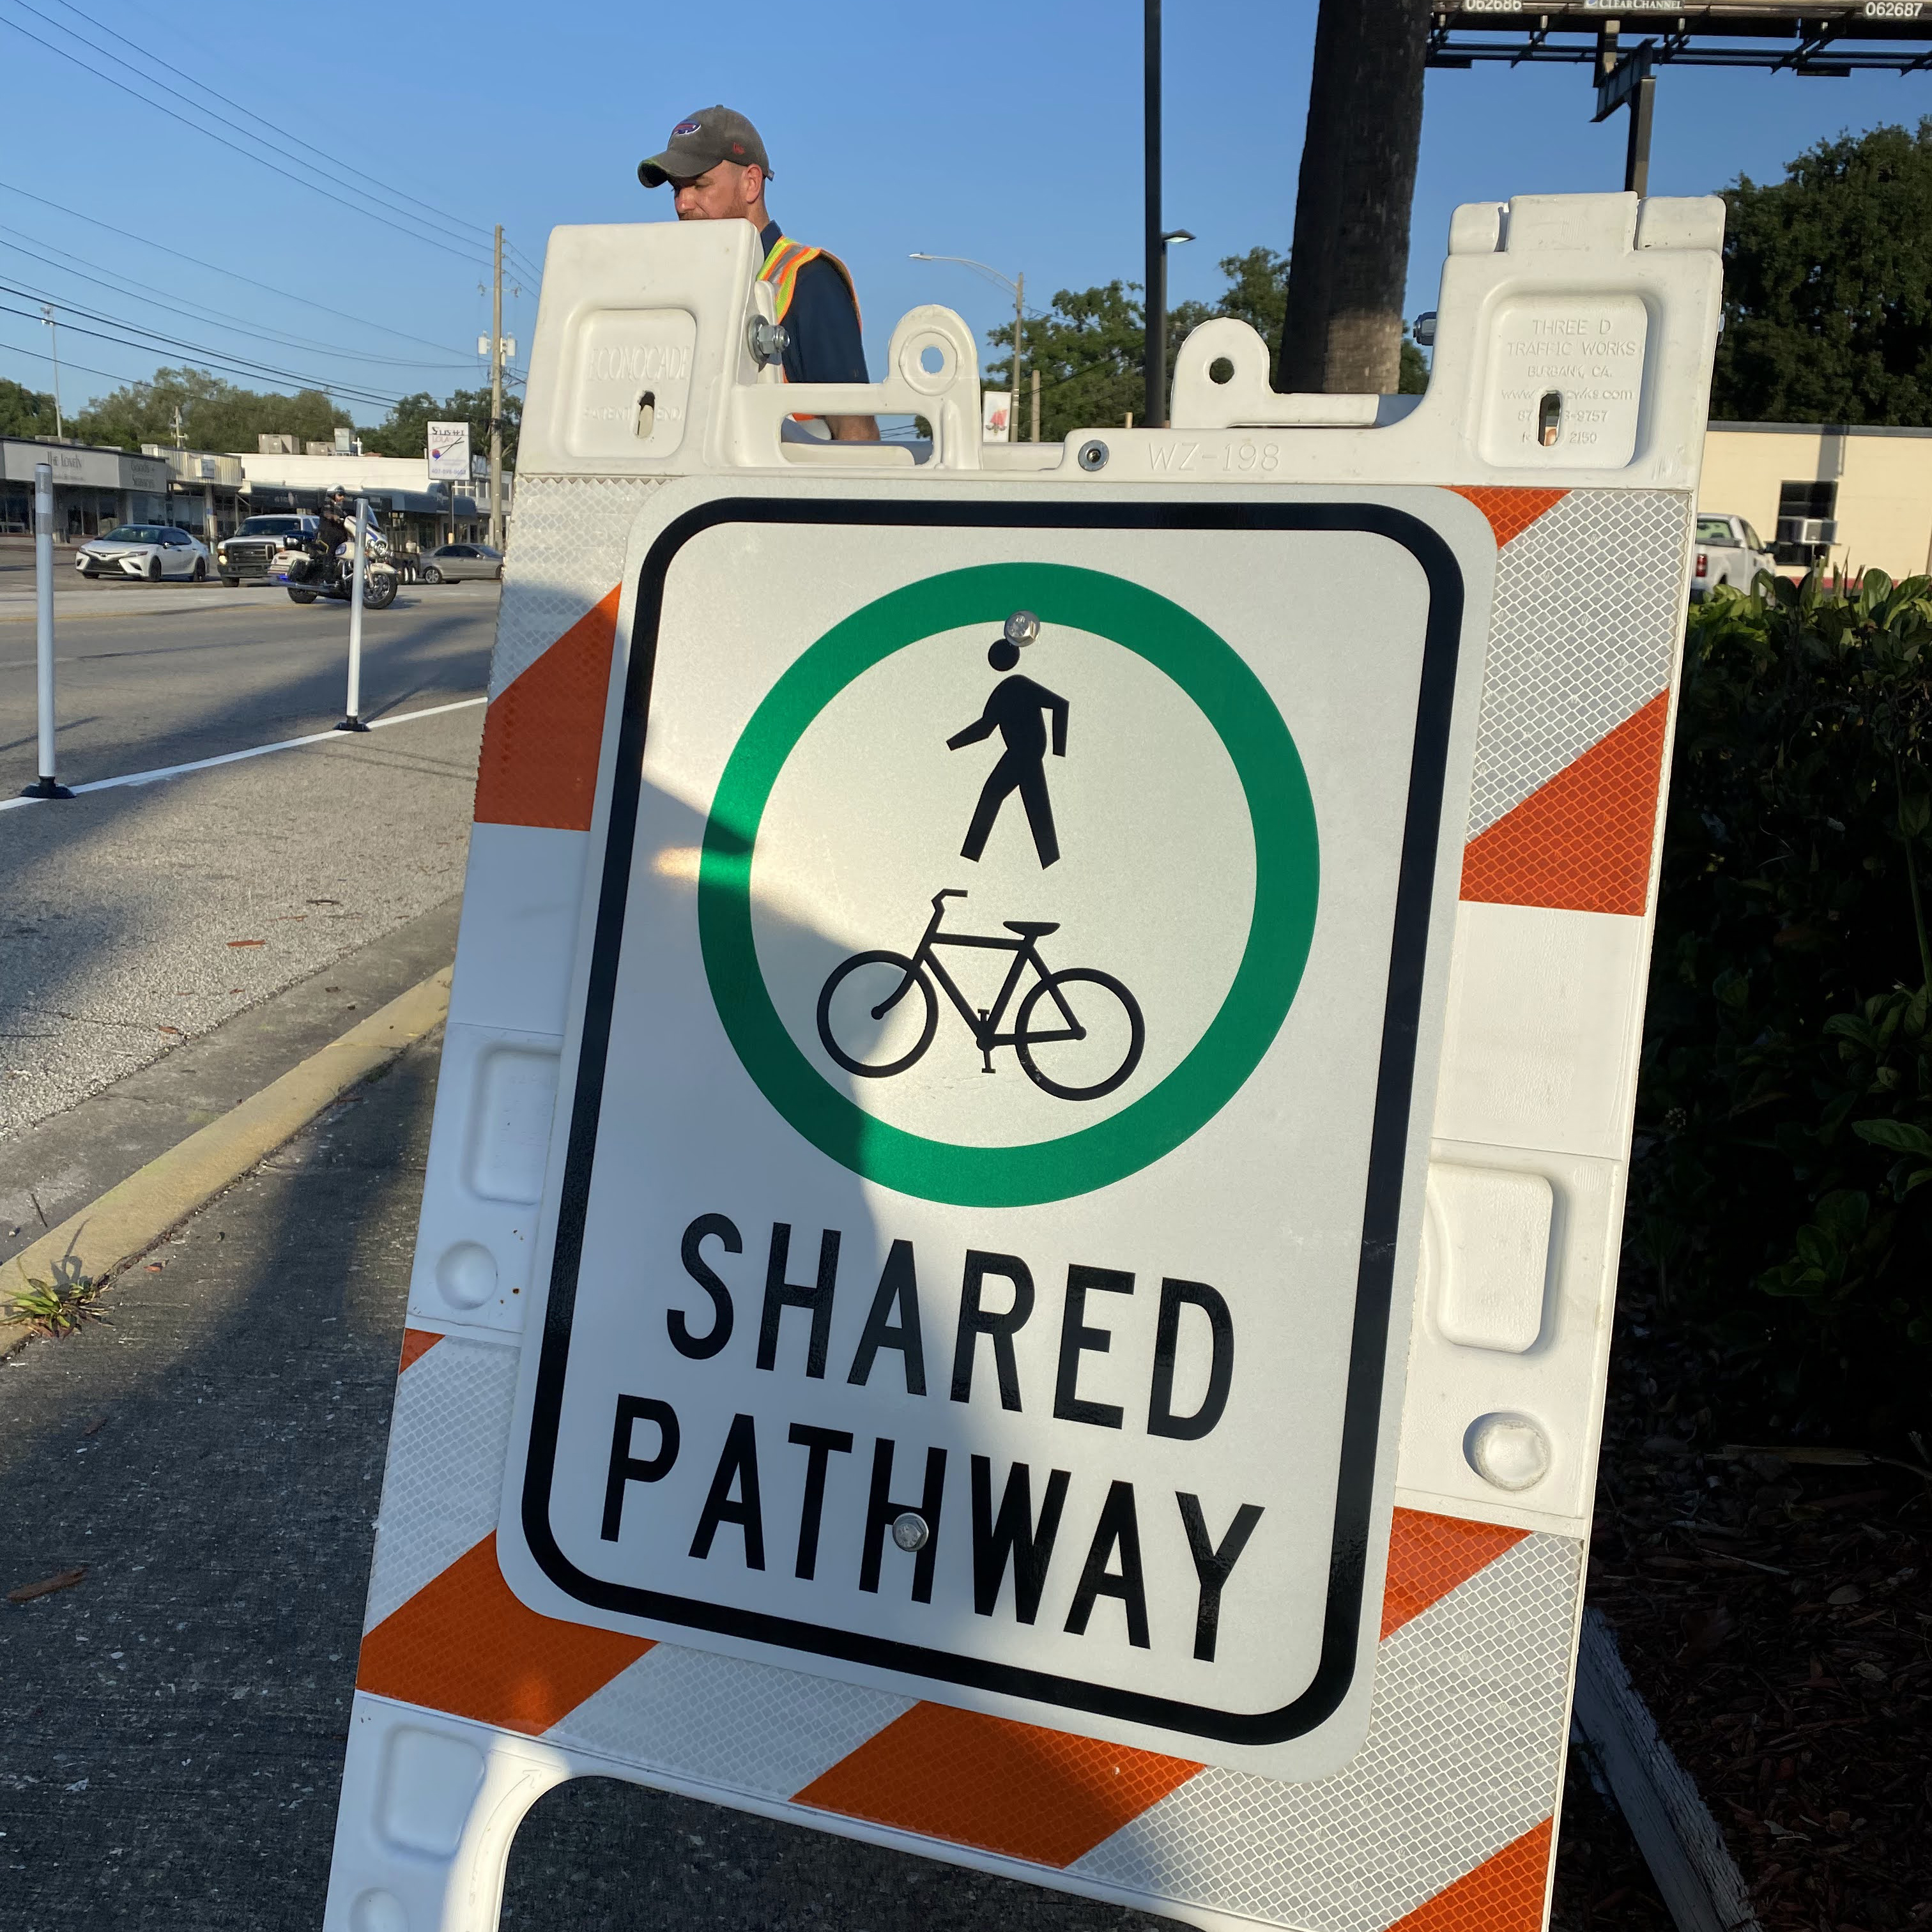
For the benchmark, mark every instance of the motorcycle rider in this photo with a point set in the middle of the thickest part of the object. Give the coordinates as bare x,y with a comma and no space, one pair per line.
330,537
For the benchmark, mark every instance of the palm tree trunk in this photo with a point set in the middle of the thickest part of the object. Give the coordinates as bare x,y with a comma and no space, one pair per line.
1342,331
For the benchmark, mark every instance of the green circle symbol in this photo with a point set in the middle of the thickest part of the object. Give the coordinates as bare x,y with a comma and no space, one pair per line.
1281,926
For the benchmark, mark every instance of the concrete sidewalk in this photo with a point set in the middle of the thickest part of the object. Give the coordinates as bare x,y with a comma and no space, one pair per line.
213,1454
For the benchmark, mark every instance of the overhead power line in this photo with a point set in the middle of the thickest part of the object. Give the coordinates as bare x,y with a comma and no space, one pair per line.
452,225
67,361
196,312
247,154
195,261
479,229
233,365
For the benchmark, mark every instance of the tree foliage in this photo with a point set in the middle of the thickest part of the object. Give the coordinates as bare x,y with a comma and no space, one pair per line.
1784,1119
24,412
1089,346
1827,286
215,414
405,431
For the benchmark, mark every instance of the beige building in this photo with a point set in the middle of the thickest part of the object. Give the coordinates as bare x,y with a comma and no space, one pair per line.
1876,485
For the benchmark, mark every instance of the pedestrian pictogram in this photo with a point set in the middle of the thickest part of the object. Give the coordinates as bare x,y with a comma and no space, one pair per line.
1017,710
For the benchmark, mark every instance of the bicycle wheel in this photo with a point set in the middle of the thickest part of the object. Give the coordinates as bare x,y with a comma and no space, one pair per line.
861,1001
1092,1057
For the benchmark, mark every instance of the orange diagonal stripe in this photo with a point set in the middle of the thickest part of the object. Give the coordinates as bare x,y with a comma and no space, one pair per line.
1430,1556
1003,1786
1581,843
417,1343
463,1644
1504,1893
1511,511
540,735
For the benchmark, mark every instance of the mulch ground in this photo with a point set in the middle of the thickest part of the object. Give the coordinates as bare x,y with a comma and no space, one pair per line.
1775,1613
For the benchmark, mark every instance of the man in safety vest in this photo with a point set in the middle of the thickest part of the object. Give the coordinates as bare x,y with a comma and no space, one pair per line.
716,166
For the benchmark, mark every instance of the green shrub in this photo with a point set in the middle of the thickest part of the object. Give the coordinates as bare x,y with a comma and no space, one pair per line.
1784,1119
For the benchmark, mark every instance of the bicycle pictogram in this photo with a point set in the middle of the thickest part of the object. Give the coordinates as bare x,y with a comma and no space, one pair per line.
1069,1026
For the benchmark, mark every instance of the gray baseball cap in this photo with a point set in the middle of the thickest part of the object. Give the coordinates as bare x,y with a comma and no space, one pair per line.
702,140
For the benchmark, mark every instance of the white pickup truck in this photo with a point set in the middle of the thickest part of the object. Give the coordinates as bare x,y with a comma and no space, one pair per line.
1728,552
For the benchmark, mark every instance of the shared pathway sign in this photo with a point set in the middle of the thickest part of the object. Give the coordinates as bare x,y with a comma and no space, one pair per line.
1025,1194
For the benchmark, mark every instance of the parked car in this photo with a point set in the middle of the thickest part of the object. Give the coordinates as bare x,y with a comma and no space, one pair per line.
459,560
149,550
246,556
1729,552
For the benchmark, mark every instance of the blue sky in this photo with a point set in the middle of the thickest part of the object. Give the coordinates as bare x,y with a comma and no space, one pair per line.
1011,133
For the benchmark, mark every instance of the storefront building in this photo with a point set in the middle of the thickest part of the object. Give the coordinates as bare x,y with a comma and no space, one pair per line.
414,514
206,490
94,489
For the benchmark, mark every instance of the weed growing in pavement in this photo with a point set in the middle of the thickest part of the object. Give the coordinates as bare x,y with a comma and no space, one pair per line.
54,1308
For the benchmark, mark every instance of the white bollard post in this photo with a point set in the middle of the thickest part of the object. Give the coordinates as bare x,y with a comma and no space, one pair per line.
46,785
352,715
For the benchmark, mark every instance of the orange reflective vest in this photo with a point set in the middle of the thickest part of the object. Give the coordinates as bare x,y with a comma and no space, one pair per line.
783,263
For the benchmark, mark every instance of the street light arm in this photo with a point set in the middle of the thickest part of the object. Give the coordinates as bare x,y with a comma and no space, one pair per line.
1018,285
965,261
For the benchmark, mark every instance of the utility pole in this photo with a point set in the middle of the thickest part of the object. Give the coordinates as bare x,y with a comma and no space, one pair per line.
53,333
1019,324
1154,415
496,401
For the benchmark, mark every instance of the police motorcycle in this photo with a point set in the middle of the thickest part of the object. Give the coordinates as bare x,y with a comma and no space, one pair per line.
310,572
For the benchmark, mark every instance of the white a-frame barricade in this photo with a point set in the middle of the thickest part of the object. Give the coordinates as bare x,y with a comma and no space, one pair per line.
1025,1191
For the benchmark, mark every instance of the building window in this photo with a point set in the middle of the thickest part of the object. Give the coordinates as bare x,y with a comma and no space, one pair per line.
1807,499
1800,504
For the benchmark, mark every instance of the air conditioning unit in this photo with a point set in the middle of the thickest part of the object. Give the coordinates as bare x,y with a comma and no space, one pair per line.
1815,530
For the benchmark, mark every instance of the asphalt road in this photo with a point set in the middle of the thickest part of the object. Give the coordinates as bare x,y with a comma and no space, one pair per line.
151,677
135,919
175,1723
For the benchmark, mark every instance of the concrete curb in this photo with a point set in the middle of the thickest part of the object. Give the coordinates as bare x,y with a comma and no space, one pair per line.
129,1218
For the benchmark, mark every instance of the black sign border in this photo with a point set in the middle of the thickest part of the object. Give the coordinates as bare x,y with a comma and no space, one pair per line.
1348,1551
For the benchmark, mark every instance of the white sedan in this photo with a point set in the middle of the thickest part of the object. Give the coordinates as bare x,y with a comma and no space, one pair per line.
151,551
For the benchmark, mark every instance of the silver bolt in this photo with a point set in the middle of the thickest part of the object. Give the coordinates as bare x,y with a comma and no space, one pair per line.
910,1531
766,341
1022,627
1093,455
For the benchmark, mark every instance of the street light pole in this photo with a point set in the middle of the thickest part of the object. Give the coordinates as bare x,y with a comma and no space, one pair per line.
1154,412
53,333
1019,324
1018,285
496,401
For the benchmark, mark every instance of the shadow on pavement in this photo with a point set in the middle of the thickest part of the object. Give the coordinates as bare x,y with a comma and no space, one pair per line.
175,1723
435,661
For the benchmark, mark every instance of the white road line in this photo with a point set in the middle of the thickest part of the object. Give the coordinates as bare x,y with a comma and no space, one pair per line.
331,737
